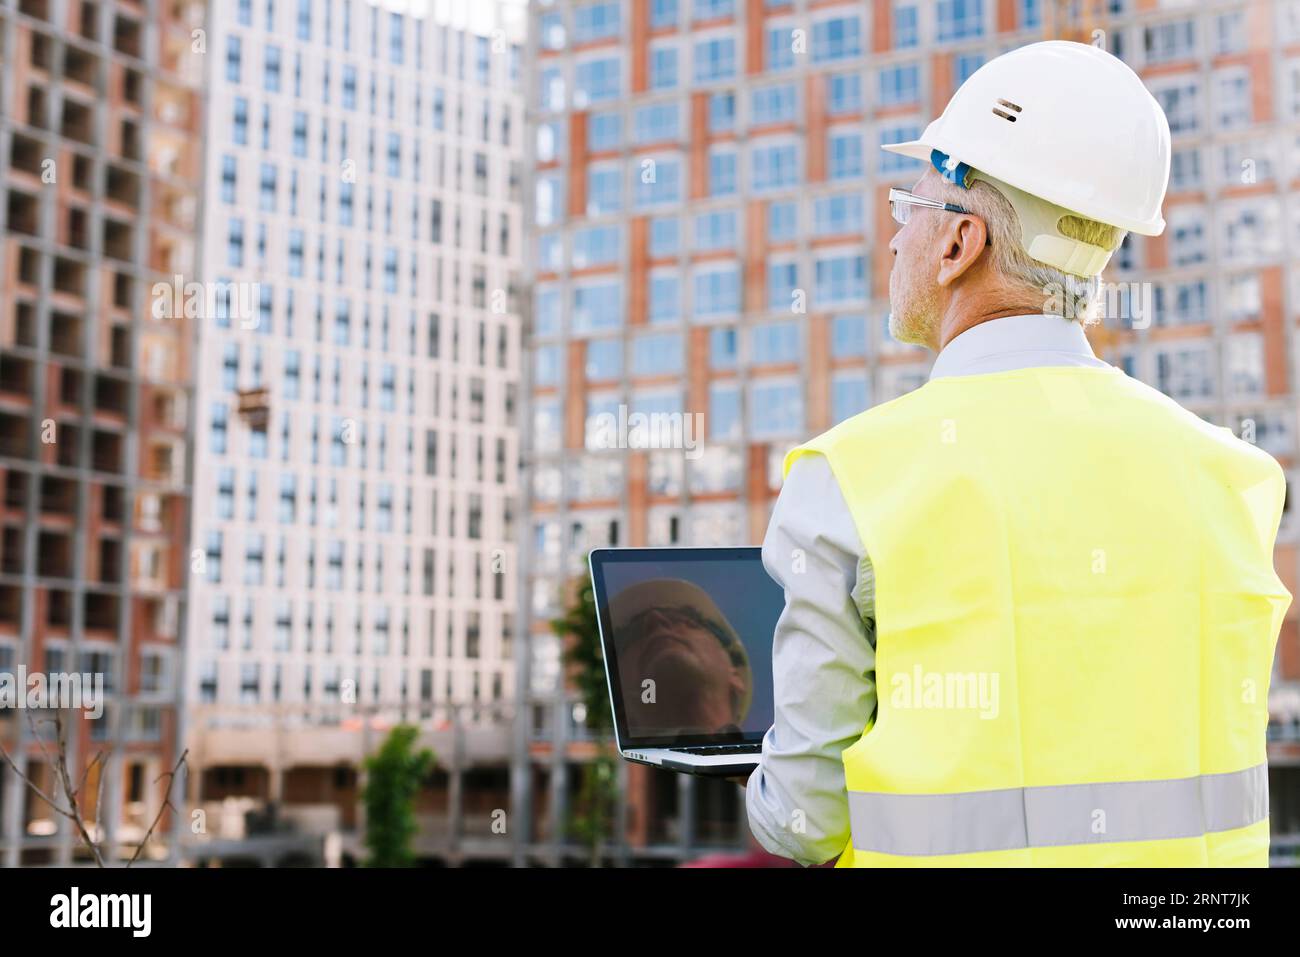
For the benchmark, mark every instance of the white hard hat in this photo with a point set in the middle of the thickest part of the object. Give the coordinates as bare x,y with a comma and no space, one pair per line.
1066,123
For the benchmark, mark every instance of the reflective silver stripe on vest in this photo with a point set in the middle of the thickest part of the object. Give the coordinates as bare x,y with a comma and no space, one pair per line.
925,824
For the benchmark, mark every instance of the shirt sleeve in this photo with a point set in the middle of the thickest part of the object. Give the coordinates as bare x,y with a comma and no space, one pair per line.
823,668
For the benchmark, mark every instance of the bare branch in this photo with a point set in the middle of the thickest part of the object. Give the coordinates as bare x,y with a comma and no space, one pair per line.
167,803
66,778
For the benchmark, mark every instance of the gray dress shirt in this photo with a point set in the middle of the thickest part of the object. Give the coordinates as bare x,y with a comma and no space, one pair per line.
823,652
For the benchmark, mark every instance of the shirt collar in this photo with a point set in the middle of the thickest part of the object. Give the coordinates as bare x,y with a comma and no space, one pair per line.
1028,338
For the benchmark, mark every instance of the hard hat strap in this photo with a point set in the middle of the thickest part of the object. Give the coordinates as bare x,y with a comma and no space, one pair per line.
1069,255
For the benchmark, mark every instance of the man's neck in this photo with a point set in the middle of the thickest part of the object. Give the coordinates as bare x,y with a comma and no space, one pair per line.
957,319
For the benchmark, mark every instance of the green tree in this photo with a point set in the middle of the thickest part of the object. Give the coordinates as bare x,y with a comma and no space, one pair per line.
394,775
593,818
579,632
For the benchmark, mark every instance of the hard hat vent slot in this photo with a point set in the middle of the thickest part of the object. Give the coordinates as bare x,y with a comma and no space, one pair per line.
1010,106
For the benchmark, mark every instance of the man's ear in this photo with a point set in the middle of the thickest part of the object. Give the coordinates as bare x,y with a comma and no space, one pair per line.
962,239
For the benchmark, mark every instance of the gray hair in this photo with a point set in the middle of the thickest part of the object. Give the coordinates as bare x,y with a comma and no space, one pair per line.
1075,297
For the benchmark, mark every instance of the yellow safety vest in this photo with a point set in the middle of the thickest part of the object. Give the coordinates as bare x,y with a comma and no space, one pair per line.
1076,610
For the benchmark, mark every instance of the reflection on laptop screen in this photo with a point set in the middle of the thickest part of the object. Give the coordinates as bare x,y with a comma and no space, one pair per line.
692,645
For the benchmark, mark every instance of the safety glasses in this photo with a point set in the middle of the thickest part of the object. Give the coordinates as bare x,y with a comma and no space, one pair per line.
901,202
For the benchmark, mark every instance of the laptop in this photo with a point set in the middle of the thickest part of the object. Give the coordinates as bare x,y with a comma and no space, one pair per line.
687,640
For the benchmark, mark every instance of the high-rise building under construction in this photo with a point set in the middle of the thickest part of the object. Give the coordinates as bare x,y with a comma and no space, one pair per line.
100,113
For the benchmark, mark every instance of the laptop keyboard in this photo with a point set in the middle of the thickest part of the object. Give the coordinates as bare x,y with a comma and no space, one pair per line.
724,749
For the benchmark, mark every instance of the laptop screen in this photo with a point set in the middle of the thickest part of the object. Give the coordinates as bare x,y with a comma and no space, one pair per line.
687,636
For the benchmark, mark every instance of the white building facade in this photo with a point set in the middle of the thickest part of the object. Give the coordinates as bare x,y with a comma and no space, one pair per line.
353,529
